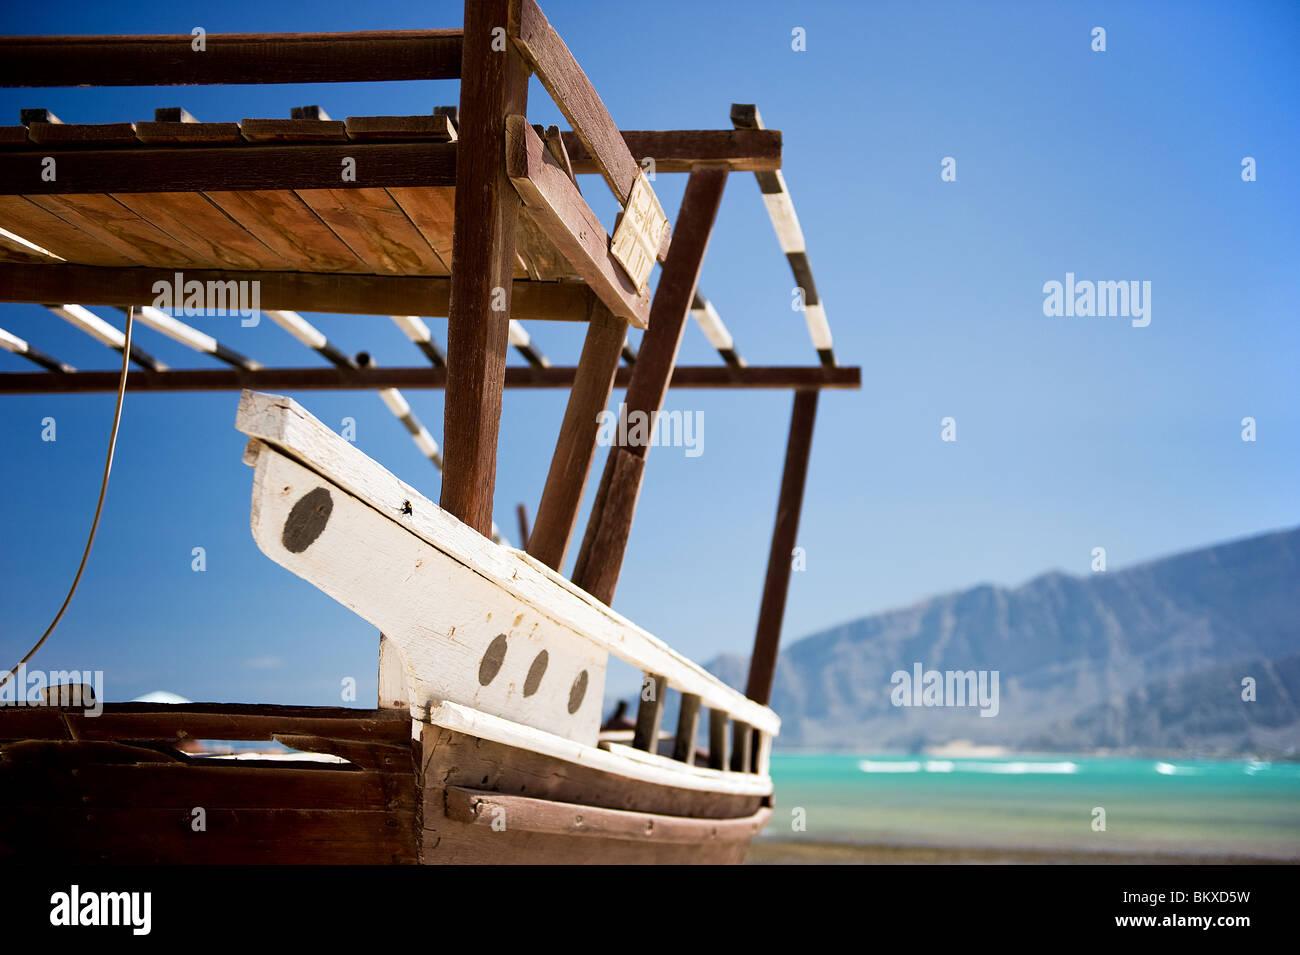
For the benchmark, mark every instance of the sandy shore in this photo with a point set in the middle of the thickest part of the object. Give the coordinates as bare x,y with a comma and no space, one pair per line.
803,852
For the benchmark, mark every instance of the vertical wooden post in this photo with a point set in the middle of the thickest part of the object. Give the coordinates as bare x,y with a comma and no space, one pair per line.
719,743
576,446
742,741
688,726
521,512
762,664
494,84
650,714
605,542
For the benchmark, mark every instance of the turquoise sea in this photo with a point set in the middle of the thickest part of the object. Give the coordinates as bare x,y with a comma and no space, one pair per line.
1202,807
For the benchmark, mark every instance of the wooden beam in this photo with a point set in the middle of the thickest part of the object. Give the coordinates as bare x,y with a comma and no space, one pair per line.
605,541
370,56
557,207
719,741
742,753
494,85
299,291
557,515
703,377
681,150
227,168
577,99
650,713
688,727
762,664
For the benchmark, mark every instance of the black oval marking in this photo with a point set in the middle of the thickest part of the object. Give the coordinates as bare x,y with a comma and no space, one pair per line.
577,692
493,657
535,672
306,520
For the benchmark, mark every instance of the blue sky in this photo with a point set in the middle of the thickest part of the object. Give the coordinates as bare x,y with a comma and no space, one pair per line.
1071,433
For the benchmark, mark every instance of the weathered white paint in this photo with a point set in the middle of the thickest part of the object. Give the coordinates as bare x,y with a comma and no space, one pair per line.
284,424
441,615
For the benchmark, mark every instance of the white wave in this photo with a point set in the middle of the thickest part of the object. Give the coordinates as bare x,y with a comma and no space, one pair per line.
890,766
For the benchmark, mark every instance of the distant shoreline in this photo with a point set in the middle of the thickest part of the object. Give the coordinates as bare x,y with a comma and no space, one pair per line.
808,852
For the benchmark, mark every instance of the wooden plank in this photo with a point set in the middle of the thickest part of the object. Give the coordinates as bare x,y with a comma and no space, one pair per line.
113,224
577,820
13,137
688,727
494,85
165,721
228,168
282,423
461,637
371,56
719,741
303,291
165,133
605,542
681,150
577,99
13,250
292,130
201,226
285,224
575,448
79,134
556,205
436,127
432,211
767,638
617,760
706,377
45,229
650,712
374,227
742,740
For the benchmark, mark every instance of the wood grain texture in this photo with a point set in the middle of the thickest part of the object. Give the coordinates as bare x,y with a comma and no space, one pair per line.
109,222
77,134
288,227
575,448
494,85
169,132
293,130
283,424
681,150
230,58
785,532
37,225
374,227
203,228
436,127
557,207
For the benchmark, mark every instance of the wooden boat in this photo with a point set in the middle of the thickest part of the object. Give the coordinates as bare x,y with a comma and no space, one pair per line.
486,744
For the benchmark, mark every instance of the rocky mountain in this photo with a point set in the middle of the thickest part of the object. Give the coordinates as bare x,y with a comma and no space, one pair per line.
1155,657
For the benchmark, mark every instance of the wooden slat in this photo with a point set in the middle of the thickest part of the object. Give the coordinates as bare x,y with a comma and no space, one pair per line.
650,712
707,377
558,208
605,542
432,211
688,727
228,168
292,130
113,224
742,741
12,250
767,639
576,820
374,227
575,448
25,218
284,223
719,740
13,137
681,150
164,133
494,85
201,226
230,58
436,127
70,134
303,291
577,99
